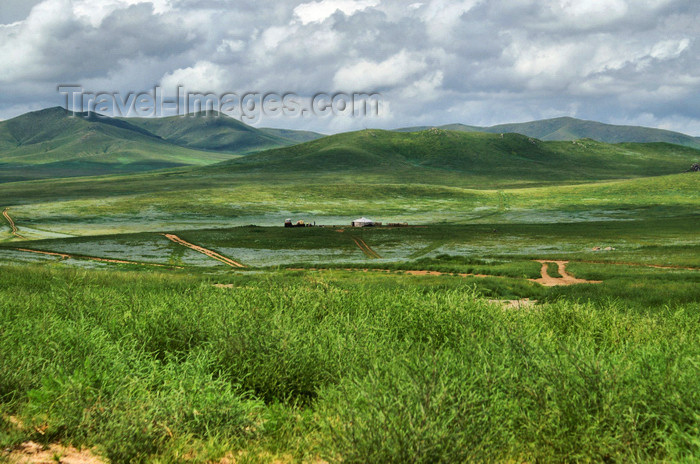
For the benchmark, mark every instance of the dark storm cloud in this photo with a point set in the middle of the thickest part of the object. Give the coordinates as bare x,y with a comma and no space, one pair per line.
435,61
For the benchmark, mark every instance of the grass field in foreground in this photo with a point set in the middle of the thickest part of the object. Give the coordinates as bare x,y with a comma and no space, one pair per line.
160,365
156,367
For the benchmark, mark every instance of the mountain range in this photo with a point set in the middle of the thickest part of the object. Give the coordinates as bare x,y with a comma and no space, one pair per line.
463,158
569,129
53,143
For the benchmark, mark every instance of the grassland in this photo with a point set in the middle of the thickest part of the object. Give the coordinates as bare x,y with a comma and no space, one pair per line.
124,205
360,345
339,366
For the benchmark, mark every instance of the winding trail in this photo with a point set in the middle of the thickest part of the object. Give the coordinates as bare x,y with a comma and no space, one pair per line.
204,251
94,258
366,248
565,279
12,223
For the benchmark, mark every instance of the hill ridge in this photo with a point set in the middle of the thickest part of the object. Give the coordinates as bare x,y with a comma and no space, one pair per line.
467,154
57,142
567,128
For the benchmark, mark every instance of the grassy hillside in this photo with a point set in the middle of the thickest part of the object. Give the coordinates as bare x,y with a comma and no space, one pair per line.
295,135
52,143
568,129
219,133
426,177
370,160
508,157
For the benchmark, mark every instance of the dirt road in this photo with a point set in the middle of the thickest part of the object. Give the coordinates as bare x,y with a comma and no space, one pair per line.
94,258
565,279
204,251
12,223
366,248
545,280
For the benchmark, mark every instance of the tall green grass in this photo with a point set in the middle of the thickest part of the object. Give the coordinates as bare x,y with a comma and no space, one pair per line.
154,367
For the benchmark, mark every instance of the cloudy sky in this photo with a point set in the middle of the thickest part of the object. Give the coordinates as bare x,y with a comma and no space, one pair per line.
477,62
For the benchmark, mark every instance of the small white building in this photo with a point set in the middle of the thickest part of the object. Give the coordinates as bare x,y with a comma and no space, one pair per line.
364,222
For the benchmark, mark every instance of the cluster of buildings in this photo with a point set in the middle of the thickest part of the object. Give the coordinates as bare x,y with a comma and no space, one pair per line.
360,222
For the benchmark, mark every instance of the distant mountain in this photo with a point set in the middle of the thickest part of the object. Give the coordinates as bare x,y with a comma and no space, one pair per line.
568,129
440,154
54,143
399,166
207,131
452,127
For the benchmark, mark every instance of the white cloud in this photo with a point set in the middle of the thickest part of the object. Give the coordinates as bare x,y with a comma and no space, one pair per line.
322,10
434,61
204,76
426,89
55,44
19,41
96,10
442,16
369,75
593,9
667,49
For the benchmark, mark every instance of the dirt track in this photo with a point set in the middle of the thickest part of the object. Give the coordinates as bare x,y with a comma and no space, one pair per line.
12,223
204,251
565,279
93,258
365,248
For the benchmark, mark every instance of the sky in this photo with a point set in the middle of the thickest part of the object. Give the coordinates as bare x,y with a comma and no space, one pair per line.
433,62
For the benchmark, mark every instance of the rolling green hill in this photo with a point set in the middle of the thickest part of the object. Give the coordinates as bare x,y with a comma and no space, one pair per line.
420,177
436,154
219,133
295,135
53,143
568,129
371,157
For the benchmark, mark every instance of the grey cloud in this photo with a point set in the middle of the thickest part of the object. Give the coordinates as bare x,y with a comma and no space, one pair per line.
15,10
486,63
